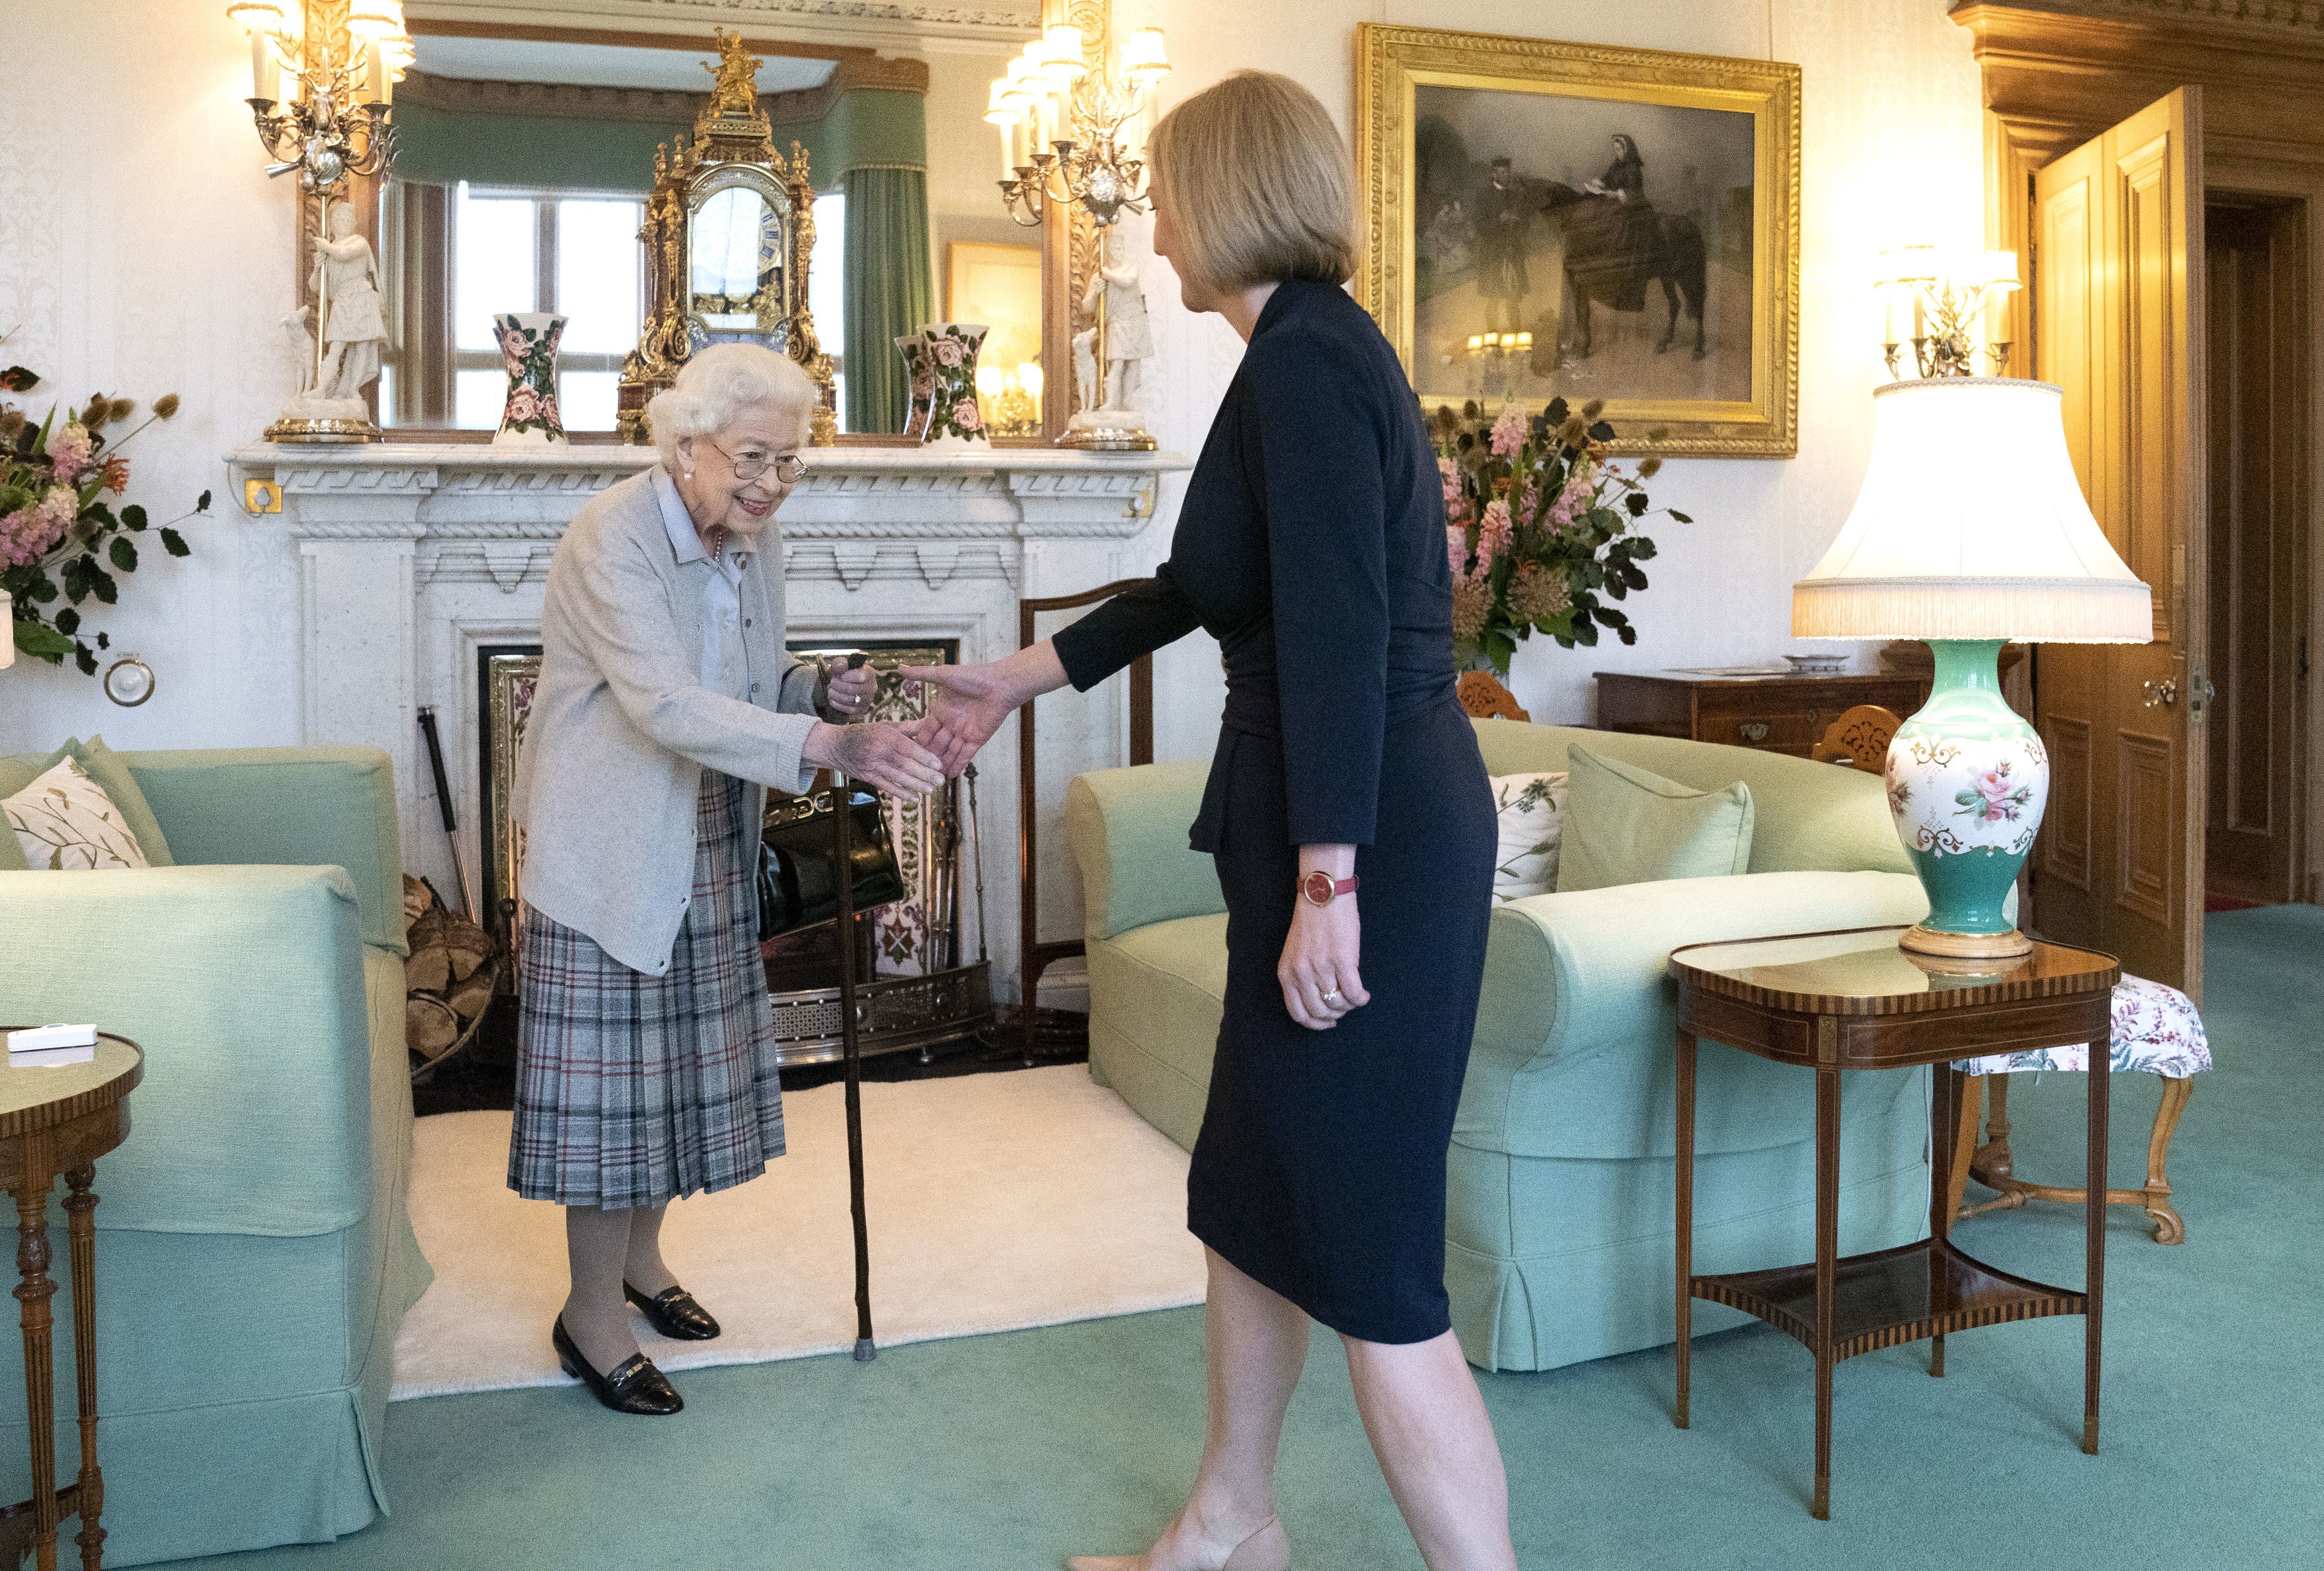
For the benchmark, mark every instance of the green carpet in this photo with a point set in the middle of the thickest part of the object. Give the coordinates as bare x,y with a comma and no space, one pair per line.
1004,1452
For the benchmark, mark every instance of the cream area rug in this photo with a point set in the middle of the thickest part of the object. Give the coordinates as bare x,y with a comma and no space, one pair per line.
997,1202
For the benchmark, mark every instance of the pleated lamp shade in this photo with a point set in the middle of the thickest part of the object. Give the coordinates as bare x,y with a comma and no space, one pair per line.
1971,525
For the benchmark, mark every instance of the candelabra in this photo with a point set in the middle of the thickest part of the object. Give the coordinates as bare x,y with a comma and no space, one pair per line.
1942,306
1012,403
1051,88
334,121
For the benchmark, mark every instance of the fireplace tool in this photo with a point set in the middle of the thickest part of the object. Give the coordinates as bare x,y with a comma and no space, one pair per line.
444,802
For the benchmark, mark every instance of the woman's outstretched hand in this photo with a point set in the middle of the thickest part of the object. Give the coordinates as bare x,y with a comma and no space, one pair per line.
893,758
968,703
1318,972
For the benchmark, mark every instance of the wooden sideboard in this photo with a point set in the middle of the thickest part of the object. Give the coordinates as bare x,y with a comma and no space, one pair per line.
1775,713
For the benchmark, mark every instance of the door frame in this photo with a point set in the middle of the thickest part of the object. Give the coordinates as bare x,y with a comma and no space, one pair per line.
2299,181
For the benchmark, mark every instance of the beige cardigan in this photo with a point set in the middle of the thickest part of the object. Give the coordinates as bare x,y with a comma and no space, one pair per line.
622,727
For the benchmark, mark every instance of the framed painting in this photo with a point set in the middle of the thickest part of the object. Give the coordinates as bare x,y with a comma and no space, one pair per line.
1000,286
1546,218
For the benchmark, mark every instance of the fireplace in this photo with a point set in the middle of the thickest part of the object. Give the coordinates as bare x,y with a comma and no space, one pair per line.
922,981
407,569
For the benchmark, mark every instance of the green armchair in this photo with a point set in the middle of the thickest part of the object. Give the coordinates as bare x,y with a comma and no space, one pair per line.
1559,1223
254,1254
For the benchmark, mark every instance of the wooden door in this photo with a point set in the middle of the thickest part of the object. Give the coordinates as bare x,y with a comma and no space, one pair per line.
2118,269
2256,280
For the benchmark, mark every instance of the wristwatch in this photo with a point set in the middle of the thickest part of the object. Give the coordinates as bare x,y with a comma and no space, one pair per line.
1320,888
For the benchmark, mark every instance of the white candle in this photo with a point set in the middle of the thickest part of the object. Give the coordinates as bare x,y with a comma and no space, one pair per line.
1007,149
377,92
1048,122
1997,317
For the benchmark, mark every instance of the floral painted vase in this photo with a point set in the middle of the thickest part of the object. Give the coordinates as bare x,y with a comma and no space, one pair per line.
954,419
528,341
914,348
1968,782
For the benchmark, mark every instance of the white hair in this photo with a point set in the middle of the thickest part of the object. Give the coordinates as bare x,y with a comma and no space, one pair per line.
717,384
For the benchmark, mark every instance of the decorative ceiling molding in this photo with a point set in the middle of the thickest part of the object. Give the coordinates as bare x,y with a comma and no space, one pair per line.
881,23
653,105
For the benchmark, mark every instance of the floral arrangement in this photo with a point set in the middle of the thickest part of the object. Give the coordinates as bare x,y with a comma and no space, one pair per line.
1540,527
59,537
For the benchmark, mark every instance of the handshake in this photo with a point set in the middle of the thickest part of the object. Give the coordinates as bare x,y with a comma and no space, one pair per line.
913,758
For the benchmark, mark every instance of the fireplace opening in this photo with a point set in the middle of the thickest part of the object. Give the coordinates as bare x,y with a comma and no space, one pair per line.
922,962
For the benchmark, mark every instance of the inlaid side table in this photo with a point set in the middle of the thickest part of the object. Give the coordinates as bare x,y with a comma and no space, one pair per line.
56,1121
1853,1000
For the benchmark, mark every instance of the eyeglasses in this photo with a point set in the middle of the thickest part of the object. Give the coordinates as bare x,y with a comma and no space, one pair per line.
788,467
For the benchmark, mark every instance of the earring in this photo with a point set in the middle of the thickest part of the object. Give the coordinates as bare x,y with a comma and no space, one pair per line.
689,474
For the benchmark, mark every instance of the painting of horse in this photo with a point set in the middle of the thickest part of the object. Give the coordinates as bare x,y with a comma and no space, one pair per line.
1587,222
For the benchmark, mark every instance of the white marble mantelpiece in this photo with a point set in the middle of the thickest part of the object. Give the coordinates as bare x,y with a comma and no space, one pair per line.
411,558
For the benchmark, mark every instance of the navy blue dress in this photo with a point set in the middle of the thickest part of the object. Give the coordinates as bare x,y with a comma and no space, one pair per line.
1311,544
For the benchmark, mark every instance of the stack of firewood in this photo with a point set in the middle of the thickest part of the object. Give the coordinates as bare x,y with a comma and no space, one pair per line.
449,978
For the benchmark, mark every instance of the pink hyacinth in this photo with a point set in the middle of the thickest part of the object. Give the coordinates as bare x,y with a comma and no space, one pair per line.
1509,434
1571,502
1450,473
70,450
1529,503
30,533
1496,530
1456,548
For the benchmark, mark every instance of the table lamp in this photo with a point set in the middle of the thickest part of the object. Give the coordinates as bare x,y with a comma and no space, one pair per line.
1970,532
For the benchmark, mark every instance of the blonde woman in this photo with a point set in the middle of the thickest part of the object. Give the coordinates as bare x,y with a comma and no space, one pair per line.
1312,544
667,704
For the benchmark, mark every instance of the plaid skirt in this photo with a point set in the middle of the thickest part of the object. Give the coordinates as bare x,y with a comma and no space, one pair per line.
632,1090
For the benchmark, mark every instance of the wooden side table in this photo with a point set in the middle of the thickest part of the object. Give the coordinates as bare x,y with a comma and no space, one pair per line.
1853,1000
58,1121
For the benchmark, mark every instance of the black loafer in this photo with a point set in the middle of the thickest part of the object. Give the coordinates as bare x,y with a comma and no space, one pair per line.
635,1386
674,1314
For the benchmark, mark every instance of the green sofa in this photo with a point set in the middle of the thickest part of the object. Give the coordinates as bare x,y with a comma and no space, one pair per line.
1559,1225
254,1255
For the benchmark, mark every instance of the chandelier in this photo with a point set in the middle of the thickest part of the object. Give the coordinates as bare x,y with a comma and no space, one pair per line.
321,105
1951,309
1050,99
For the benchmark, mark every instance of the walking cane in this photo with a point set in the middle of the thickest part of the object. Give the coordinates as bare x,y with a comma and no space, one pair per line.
843,832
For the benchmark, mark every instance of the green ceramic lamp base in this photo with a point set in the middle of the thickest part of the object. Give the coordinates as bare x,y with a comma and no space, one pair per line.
1968,780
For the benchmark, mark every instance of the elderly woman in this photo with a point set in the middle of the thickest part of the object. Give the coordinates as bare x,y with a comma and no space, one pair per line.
667,703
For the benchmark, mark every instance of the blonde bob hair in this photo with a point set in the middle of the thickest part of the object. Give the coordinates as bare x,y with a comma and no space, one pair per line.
1258,183
717,384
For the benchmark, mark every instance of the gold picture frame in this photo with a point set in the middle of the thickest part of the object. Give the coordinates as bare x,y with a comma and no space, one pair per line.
1723,249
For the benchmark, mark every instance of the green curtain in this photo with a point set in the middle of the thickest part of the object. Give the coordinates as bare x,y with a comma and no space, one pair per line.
889,289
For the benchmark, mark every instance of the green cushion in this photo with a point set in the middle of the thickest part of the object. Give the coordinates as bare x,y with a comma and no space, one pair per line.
102,765
1627,825
1128,828
1808,816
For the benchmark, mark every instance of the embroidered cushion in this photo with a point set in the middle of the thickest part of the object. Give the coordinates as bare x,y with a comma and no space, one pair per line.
1529,810
2155,1030
103,766
64,822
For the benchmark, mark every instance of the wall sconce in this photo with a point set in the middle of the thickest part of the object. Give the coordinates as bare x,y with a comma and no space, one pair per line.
1049,89
333,120
322,89
1951,308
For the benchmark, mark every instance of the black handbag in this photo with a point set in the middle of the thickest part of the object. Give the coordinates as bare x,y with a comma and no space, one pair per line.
798,874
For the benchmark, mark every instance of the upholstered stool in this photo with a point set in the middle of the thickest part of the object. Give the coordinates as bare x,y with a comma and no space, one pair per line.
2156,1031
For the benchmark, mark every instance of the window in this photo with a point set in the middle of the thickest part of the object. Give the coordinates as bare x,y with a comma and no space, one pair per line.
827,287
467,254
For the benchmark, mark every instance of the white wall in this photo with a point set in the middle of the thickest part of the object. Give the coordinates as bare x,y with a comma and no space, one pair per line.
142,251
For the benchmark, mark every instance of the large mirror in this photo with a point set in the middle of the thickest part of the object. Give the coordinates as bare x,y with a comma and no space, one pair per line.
525,172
